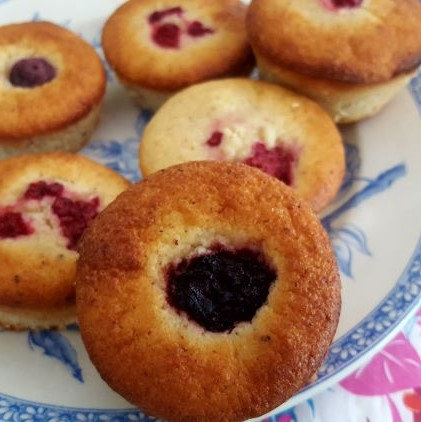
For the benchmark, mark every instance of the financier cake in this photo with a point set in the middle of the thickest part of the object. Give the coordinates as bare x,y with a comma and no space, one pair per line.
46,203
51,88
157,47
286,135
352,56
208,292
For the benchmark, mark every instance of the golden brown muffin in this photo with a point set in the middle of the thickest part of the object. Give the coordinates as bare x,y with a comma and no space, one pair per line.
260,124
344,101
46,202
51,87
357,49
207,292
159,47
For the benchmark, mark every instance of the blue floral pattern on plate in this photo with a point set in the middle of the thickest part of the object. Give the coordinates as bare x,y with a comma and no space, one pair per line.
120,156
415,87
17,410
348,237
54,344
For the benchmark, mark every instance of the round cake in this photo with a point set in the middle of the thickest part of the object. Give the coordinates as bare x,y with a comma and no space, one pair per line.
51,86
284,134
352,56
158,47
46,203
200,298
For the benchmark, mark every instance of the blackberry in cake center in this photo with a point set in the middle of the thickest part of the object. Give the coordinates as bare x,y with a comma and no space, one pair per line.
221,288
32,72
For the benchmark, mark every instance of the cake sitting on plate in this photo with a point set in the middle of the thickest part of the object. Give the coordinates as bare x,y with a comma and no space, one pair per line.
46,203
52,84
208,292
158,47
352,56
263,125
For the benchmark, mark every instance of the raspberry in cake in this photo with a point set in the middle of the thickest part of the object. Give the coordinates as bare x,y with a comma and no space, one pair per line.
262,125
47,202
197,40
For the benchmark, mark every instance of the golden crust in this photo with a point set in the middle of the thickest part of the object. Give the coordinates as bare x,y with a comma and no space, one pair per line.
345,102
138,61
18,319
37,271
70,139
246,112
158,359
77,89
368,44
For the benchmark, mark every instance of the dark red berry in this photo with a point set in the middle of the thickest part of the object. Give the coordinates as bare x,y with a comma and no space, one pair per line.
197,29
39,190
32,72
215,139
158,15
74,217
167,35
13,225
220,289
346,3
279,162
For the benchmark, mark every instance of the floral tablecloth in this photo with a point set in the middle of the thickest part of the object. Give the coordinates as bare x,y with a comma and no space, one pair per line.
386,389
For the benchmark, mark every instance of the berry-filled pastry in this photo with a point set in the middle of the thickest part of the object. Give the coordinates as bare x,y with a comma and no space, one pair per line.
46,203
208,292
157,47
260,124
51,88
352,56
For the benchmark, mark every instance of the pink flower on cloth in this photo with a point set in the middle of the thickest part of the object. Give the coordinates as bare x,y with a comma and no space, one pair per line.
413,402
397,367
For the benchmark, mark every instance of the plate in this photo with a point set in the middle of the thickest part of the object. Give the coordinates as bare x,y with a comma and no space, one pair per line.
374,225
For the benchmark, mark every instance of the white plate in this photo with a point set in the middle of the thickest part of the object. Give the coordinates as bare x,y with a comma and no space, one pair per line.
375,226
